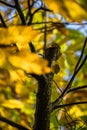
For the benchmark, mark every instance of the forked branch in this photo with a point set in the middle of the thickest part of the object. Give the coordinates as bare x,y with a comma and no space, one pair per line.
78,66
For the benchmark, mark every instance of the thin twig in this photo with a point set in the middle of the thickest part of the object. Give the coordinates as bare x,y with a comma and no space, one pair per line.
32,14
3,22
41,8
70,104
20,127
57,86
49,22
77,68
45,32
56,102
78,63
77,88
29,13
12,6
6,20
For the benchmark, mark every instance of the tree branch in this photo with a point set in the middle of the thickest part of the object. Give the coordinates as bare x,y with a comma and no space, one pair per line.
32,48
20,127
43,98
58,100
29,7
12,6
77,88
20,12
76,70
3,22
41,8
70,104
29,14
78,63
32,14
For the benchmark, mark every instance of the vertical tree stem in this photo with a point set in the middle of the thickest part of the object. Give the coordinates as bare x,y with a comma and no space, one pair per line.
43,103
20,12
43,99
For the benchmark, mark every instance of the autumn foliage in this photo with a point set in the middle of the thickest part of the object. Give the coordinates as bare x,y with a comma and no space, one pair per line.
43,63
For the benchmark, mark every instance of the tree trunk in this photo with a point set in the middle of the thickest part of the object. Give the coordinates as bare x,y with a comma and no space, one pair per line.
43,99
43,103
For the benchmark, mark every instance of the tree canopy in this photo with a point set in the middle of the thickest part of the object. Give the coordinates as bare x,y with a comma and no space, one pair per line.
40,47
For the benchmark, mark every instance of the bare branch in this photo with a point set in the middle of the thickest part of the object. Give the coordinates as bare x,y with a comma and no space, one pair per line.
45,32
77,68
3,22
57,86
20,12
41,8
12,6
32,14
70,104
78,63
77,88
13,16
32,48
29,7
50,22
30,17
20,127
58,100
29,14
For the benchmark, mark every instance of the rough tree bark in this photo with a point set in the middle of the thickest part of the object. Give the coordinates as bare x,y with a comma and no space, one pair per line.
43,99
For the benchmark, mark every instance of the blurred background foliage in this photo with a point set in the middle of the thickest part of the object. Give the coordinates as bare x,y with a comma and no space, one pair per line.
18,89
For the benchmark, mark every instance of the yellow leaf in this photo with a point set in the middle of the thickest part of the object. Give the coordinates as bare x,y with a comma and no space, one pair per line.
21,35
2,58
76,111
70,9
12,103
29,62
64,116
17,75
83,3
18,88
